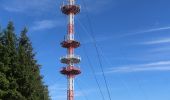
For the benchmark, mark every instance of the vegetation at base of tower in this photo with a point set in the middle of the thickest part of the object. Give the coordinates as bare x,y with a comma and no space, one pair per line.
20,77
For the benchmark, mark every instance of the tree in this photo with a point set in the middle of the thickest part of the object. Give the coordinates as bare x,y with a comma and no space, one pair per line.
9,65
30,70
20,77
4,83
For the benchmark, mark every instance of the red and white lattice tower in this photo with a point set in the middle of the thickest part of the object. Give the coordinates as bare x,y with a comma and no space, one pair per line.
70,9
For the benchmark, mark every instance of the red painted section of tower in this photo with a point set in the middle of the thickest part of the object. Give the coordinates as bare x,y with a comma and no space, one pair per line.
70,28
70,9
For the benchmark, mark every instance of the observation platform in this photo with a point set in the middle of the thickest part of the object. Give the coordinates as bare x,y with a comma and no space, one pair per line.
70,43
70,59
70,70
67,9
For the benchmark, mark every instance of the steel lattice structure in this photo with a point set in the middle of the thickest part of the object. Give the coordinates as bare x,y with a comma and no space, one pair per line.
70,9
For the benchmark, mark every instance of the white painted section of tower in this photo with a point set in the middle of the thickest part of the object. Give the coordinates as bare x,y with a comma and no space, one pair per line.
71,27
71,2
70,83
71,22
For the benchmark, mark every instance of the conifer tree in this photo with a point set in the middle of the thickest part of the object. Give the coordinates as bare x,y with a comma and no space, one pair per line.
20,77
4,83
9,64
32,72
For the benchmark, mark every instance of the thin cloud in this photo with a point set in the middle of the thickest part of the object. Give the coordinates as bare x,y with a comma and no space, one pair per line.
57,87
161,49
160,41
141,32
10,9
148,30
155,66
156,29
58,92
46,24
27,5
106,38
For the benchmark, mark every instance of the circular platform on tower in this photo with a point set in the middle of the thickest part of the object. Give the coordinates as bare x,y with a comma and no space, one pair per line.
70,59
70,43
67,9
70,70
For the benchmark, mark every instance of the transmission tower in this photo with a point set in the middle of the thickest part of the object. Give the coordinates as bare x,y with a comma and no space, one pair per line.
70,9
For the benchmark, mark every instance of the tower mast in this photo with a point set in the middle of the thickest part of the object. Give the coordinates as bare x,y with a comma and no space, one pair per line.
70,9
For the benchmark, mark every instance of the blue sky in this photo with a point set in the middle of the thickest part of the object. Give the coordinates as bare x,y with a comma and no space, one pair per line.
133,38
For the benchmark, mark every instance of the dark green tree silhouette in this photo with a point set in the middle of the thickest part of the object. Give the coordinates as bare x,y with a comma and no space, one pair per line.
20,77
30,68
9,65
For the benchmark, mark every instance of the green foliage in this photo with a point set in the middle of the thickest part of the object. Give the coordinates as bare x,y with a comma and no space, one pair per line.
20,77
